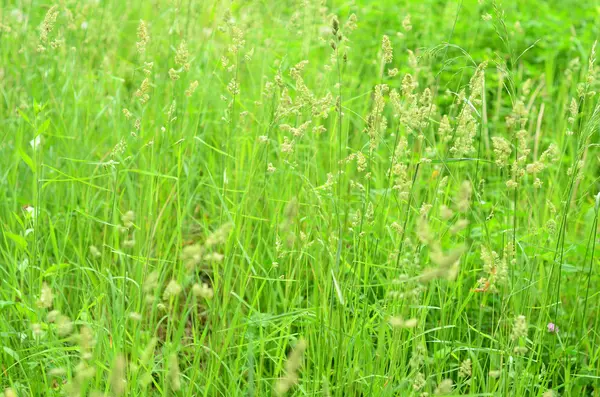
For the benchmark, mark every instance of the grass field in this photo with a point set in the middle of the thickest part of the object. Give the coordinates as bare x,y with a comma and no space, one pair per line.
308,198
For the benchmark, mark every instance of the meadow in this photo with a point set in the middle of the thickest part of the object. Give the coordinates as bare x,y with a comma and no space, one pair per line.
299,198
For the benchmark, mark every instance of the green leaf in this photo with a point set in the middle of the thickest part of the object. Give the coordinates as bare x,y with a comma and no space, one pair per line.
11,353
55,268
4,304
43,127
25,157
17,239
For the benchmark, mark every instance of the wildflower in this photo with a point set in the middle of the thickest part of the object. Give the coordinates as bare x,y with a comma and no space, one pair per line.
46,297
486,17
552,328
127,114
36,142
292,365
271,168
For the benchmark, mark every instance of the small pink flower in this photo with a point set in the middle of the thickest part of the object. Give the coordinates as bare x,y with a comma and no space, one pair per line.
552,328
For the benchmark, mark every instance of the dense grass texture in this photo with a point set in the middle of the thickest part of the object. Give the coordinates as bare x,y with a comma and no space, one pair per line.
307,198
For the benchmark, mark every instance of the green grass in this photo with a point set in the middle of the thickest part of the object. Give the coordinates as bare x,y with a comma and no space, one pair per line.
319,223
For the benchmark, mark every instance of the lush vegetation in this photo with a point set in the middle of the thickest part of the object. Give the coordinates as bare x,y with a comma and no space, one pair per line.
311,197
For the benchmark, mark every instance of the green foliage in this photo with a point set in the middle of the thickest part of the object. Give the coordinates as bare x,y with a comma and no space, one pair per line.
361,198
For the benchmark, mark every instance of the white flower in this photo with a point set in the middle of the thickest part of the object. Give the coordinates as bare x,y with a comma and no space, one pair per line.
36,142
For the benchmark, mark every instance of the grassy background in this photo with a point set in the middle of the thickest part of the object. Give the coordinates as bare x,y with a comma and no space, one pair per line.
309,251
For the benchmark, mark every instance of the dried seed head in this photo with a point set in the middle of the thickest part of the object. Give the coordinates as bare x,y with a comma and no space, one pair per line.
173,74
64,325
46,297
172,290
519,328
463,200
174,373
335,25
128,218
202,291
143,37
118,380
445,387
502,150
406,24
48,23
142,93
386,46
193,86
465,369
8,392
182,56
292,365
399,322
